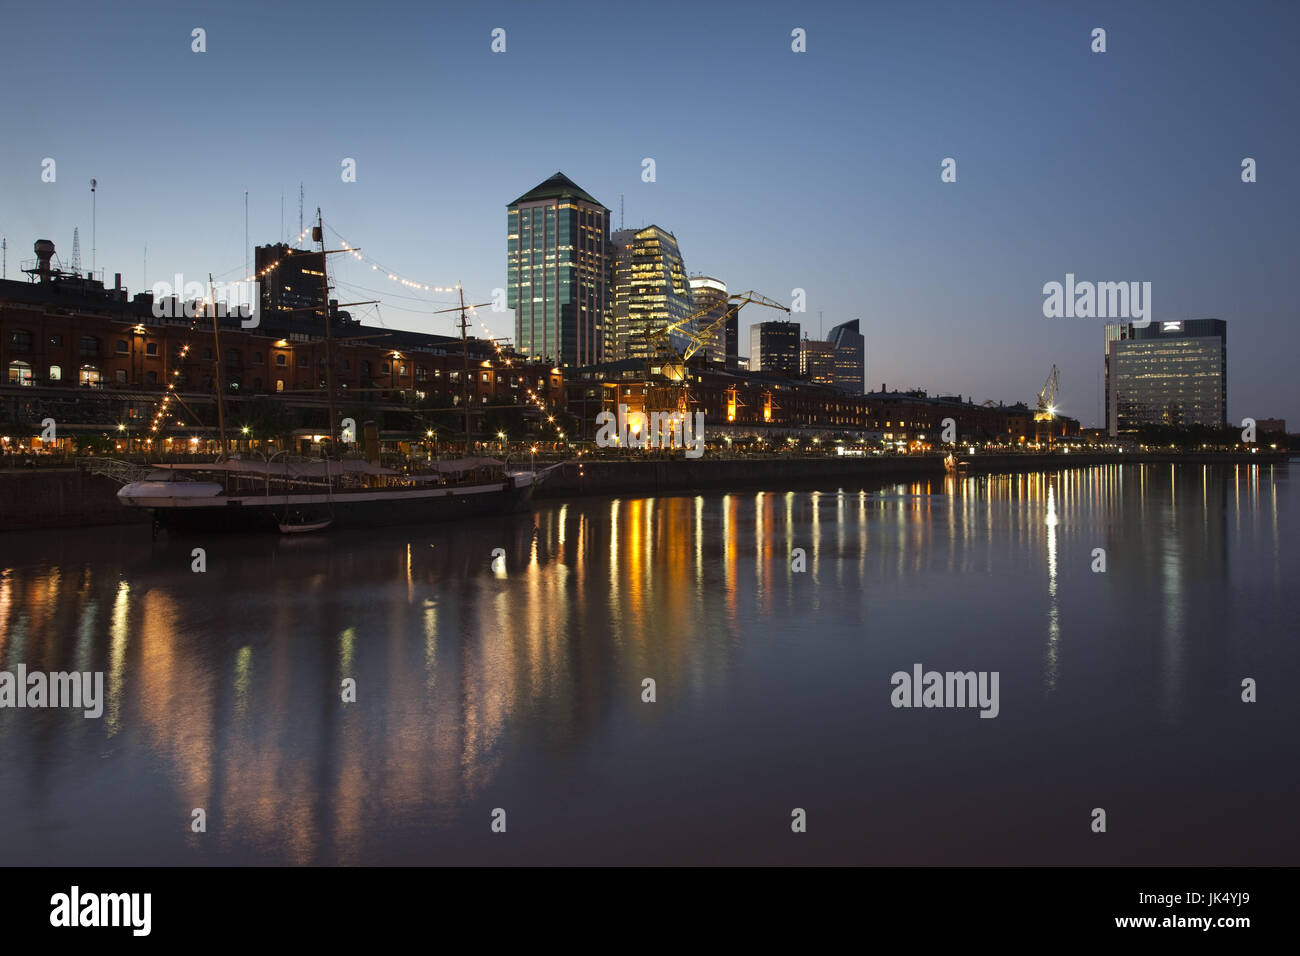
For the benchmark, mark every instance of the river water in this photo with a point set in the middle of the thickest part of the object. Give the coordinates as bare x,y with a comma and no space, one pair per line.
512,689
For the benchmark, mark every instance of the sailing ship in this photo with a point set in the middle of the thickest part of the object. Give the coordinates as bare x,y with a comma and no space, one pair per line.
300,496
305,495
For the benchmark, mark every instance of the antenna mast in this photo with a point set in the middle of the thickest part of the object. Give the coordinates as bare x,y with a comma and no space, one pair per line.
93,184
247,268
76,252
300,227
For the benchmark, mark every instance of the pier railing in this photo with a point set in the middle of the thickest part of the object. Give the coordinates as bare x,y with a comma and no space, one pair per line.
123,472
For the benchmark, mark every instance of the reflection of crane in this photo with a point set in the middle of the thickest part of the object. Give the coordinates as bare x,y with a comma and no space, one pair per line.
1047,398
663,354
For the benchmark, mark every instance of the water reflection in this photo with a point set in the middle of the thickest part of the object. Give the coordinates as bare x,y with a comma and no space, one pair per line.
476,683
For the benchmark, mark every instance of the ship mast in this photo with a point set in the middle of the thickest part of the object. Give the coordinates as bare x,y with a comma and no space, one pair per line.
216,341
319,236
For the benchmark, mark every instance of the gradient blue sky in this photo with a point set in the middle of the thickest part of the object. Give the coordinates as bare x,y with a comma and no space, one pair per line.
775,170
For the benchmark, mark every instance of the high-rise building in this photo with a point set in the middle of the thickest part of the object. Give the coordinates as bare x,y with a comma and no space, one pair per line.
650,289
1166,373
817,361
711,294
557,272
774,347
850,357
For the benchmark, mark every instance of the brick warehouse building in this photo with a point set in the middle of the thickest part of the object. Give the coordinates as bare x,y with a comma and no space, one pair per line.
96,360
739,403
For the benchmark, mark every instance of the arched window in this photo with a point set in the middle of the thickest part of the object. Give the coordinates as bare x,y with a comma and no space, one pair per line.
151,348
122,347
56,373
20,340
20,373
89,345
89,376
281,361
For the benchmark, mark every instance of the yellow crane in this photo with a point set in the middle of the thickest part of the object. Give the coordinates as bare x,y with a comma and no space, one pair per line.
672,367
1046,411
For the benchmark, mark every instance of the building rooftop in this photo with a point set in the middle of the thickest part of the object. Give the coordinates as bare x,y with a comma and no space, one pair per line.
558,186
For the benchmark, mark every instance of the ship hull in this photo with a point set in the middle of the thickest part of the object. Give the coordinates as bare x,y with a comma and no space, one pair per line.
257,513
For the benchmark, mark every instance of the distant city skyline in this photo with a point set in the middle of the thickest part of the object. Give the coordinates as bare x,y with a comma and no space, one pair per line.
824,174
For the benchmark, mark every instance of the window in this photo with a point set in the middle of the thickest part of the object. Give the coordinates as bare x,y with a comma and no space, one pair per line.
279,385
347,365
151,378
281,361
421,373
20,340
56,373
383,368
257,384
151,348
120,376
302,360
89,346
122,347
365,371
207,355
89,376
401,371
487,376
257,358
56,341
20,373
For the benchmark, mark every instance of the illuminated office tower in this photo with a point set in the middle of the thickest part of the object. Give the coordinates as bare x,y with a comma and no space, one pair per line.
557,272
1166,373
650,290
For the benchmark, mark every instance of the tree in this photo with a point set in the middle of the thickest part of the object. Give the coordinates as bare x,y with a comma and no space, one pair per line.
268,418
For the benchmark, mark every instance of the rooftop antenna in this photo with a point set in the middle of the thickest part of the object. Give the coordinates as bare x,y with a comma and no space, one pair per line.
820,325
76,251
144,277
247,268
282,218
93,264
300,228
622,220
4,257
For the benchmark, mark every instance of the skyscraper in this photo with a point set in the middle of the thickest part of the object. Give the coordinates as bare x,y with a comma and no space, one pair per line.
557,272
650,289
817,361
850,357
711,294
1166,373
774,347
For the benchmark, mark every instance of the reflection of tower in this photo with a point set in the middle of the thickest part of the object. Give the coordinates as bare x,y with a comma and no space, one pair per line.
76,251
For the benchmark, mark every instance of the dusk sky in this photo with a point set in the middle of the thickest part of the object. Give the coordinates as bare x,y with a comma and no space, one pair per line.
775,170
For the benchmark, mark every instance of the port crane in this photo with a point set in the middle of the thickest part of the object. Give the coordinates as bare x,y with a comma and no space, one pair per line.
1046,410
673,397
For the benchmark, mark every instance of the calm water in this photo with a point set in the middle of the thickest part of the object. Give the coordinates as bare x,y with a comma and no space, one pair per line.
521,688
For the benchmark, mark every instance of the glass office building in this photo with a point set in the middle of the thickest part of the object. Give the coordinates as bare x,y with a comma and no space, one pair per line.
711,294
850,357
557,272
1166,373
774,347
650,290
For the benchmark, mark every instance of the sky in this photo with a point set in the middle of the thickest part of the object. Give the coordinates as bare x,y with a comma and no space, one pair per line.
776,170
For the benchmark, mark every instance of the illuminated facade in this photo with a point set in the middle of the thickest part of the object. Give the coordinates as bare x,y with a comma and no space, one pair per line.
850,357
817,361
1166,373
774,347
292,286
650,290
557,272
709,293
